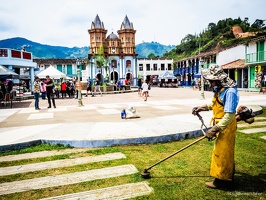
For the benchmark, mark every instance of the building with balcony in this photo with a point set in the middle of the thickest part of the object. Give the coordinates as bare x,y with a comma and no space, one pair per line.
256,58
241,63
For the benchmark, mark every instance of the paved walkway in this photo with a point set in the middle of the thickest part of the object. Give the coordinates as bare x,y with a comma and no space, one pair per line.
166,116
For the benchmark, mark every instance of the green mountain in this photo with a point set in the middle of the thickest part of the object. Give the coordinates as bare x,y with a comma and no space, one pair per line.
218,36
146,48
47,51
44,51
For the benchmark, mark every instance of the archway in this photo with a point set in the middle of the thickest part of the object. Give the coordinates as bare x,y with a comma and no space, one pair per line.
114,76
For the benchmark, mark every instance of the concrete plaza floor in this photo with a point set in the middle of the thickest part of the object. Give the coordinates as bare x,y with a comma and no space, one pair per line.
165,116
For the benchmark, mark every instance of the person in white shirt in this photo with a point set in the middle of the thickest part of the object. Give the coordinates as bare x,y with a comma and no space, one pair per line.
145,90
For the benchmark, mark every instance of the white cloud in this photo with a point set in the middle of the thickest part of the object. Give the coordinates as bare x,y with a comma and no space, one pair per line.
66,22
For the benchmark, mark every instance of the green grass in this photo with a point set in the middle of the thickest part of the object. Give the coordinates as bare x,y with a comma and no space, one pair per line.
180,177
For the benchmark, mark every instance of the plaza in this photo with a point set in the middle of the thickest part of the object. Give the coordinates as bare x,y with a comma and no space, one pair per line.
166,116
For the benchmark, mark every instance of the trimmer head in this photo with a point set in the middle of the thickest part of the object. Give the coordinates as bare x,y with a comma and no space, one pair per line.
145,174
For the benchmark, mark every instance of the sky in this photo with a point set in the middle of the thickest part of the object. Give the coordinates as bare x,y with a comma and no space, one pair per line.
66,22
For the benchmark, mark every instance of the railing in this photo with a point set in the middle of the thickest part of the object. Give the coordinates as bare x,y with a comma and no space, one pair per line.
258,57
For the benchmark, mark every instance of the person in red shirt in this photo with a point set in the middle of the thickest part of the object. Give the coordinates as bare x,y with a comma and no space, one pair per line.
63,89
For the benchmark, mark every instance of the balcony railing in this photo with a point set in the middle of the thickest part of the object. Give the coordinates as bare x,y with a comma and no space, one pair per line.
254,58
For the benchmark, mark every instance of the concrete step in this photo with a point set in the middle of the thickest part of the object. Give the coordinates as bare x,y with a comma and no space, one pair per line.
253,130
125,191
246,125
260,118
4,171
66,179
40,154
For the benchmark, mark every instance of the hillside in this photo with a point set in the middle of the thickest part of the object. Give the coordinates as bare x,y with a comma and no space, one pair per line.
218,36
146,48
47,51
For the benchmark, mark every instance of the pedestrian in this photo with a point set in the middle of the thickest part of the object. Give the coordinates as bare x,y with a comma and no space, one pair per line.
43,89
224,104
63,89
3,87
97,87
145,90
139,86
88,87
10,85
36,91
50,91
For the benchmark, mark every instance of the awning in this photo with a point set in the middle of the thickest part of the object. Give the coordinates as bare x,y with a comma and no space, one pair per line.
6,73
237,64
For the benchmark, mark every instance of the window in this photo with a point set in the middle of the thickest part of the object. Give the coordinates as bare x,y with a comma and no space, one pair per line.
127,39
162,67
114,63
128,63
140,67
148,67
98,39
169,67
155,67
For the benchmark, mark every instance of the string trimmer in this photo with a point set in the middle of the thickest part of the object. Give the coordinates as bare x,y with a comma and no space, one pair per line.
146,174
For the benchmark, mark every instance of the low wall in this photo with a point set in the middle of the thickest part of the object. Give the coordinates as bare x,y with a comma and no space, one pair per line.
109,88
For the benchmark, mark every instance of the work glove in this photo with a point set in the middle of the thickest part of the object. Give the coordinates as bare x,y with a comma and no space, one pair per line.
211,133
197,109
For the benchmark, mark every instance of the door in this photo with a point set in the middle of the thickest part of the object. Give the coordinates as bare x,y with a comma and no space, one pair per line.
260,50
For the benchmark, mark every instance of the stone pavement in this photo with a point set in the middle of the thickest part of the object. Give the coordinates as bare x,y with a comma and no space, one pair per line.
166,116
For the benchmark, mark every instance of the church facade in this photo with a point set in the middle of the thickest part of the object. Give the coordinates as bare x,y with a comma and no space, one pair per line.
118,50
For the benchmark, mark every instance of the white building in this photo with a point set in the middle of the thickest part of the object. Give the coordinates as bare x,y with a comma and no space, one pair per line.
153,67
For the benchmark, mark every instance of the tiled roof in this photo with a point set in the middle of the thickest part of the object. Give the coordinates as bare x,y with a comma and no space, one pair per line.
237,64
54,61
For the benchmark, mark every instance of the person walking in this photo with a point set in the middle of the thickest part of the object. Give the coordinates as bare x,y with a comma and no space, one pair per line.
97,87
145,89
88,87
139,86
36,90
224,104
50,91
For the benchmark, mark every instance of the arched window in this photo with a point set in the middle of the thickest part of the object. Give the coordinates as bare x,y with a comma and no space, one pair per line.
114,63
128,63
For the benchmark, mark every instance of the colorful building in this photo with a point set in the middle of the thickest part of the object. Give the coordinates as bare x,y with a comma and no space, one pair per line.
119,52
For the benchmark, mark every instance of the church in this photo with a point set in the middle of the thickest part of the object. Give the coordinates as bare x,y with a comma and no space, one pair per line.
119,51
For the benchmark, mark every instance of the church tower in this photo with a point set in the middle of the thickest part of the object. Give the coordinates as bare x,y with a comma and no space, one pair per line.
127,37
97,35
119,52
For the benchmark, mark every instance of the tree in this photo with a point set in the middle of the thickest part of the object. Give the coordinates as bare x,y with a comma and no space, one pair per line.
152,55
101,61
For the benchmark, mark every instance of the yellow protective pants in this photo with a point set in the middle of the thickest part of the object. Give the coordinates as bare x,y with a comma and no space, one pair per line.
222,164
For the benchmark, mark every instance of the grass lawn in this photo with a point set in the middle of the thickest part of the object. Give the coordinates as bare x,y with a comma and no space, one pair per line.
180,177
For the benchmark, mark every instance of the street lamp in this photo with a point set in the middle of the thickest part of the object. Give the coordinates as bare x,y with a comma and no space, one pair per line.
79,89
202,83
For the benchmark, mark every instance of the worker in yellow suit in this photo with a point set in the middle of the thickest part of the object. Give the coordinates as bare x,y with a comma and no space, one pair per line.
224,127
